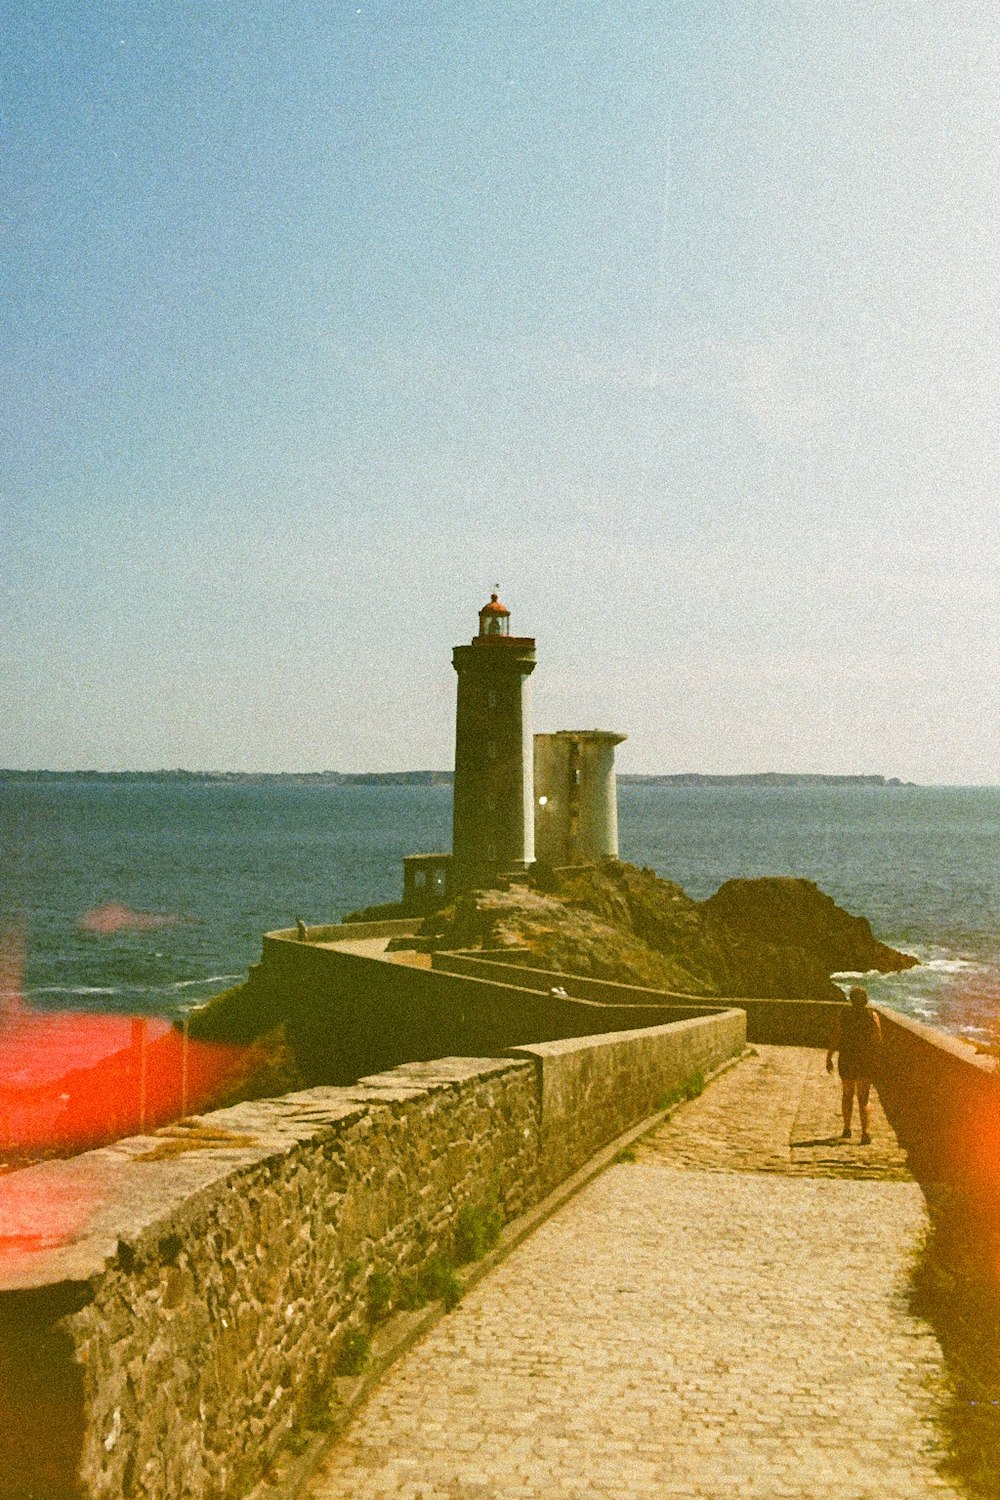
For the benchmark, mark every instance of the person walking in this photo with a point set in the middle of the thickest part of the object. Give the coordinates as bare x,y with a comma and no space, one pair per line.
857,1038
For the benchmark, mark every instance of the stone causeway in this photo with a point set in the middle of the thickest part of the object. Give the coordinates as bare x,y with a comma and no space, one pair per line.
723,1313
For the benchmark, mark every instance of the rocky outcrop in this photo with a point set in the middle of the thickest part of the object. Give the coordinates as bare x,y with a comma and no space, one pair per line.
774,937
789,936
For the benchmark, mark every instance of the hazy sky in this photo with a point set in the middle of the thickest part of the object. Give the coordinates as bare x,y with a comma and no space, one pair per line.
678,320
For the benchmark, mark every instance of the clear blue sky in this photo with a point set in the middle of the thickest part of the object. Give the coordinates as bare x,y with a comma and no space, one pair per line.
679,320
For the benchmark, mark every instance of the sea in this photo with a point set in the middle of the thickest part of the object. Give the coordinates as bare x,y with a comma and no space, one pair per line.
209,866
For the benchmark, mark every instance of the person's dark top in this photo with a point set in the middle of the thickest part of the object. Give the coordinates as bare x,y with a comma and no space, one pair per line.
859,1038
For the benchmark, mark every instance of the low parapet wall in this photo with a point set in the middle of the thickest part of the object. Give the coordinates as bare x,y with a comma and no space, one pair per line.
943,1101
517,970
170,1306
592,1089
347,1014
788,1023
333,932
208,1291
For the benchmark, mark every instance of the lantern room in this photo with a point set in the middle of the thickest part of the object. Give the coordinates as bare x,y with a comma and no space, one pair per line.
494,618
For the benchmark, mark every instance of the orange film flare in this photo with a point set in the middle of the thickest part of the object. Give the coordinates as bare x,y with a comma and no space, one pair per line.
114,917
74,1079
71,1080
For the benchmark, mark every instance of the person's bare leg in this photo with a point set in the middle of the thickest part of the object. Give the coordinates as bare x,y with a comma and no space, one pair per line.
847,1103
863,1110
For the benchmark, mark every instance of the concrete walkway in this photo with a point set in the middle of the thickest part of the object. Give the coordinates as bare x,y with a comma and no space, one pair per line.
724,1316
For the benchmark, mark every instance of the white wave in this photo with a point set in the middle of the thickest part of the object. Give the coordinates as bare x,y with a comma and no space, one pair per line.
185,984
953,965
75,989
944,960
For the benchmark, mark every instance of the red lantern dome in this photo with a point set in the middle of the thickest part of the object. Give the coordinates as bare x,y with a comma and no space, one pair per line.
494,618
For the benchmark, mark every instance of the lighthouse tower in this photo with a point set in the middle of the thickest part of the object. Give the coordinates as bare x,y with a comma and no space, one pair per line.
494,829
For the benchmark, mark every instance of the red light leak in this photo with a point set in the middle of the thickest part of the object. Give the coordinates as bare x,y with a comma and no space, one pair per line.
73,1080
114,917
70,1080
34,1217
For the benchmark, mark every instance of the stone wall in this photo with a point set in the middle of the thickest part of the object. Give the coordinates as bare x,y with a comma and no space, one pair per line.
348,1014
169,1305
943,1101
788,1023
516,969
593,1089
333,932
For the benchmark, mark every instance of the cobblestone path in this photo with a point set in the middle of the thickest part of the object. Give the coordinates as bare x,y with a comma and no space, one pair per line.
778,1111
723,1317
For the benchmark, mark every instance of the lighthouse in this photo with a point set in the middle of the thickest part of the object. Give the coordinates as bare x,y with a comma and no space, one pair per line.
494,809
517,795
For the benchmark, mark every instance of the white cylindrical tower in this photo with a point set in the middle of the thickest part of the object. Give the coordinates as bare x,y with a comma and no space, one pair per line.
576,796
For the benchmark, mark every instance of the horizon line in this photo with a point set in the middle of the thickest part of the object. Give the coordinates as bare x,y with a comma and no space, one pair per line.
447,773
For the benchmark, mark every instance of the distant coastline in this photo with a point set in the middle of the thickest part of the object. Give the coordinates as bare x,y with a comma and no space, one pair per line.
762,778
254,778
440,778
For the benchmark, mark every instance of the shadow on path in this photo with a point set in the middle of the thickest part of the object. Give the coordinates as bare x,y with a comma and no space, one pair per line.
955,1282
954,1289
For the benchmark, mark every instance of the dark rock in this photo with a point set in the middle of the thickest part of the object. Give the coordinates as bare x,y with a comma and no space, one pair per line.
789,934
781,938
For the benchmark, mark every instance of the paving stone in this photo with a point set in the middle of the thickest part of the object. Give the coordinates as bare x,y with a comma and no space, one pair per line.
725,1317
779,1111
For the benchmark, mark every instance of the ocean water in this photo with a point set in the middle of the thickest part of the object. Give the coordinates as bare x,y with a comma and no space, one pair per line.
223,863
921,863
